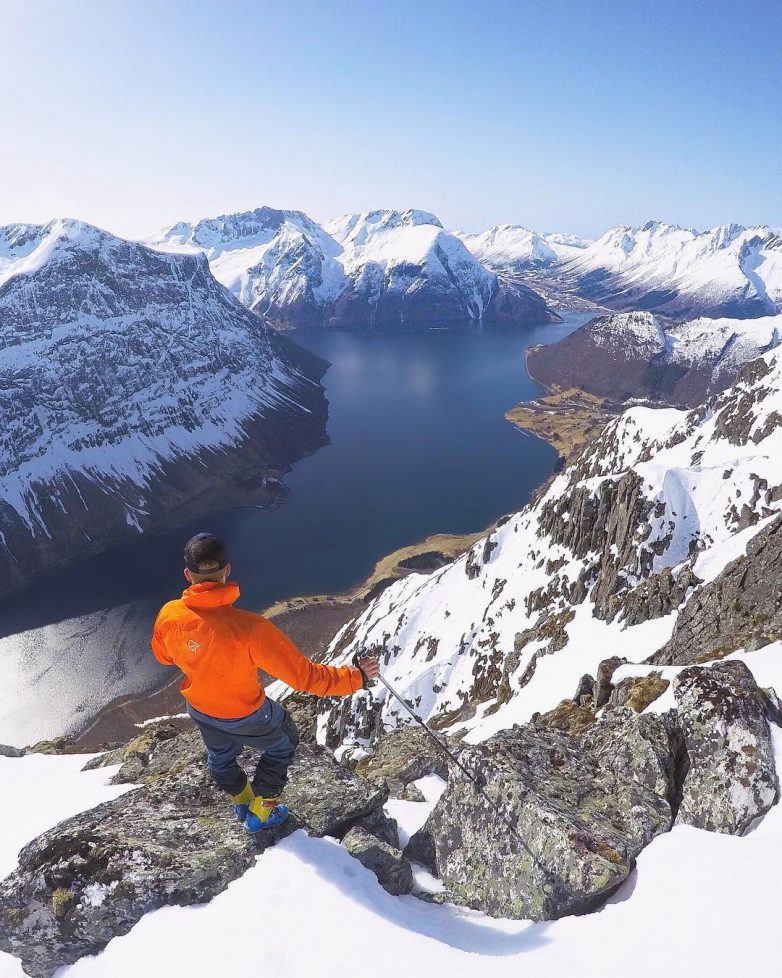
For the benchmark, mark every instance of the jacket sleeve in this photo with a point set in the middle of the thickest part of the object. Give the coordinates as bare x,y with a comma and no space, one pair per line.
276,654
159,647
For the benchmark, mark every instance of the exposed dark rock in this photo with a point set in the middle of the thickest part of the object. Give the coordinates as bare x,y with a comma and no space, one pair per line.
603,681
303,708
58,745
569,717
585,689
631,355
741,608
174,840
382,826
392,869
656,596
732,777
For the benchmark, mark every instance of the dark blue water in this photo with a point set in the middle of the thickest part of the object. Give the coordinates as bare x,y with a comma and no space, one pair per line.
419,445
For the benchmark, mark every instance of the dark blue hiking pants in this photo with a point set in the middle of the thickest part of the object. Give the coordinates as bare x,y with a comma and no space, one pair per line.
270,730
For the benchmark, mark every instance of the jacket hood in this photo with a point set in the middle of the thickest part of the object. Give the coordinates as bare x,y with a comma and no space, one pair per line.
210,594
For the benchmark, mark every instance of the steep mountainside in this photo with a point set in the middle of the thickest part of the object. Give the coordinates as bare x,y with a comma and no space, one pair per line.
635,355
389,270
128,378
601,565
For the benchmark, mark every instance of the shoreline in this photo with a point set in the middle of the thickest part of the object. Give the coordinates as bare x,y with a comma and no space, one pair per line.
568,419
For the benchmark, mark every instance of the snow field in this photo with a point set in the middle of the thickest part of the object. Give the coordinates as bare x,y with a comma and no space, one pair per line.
699,904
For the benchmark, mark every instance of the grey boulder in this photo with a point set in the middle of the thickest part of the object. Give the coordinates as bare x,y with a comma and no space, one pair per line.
723,716
173,840
567,816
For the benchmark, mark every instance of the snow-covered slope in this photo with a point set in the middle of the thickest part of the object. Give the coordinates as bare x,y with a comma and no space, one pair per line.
120,367
635,354
600,565
279,263
379,270
512,247
725,891
727,271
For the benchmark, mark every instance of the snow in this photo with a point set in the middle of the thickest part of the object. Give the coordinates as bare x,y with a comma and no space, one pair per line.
42,790
273,258
727,263
698,904
411,815
512,245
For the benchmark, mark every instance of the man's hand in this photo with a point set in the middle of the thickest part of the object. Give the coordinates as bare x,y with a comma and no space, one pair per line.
369,666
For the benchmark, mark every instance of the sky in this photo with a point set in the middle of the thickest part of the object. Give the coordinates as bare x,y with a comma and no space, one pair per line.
555,114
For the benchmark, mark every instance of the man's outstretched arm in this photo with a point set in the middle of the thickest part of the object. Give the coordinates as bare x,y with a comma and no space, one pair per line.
276,654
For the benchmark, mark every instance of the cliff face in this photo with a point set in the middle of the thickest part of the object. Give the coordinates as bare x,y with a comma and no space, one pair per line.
135,392
634,355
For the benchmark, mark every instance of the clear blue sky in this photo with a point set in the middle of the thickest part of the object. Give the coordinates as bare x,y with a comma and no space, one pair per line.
560,115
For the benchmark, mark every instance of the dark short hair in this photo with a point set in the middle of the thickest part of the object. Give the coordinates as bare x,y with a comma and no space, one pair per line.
205,554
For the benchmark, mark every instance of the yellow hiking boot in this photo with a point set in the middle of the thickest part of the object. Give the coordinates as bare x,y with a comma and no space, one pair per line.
241,802
265,813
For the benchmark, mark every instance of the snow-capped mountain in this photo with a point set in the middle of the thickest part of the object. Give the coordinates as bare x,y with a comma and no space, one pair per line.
389,270
279,263
512,247
646,526
729,270
636,355
127,378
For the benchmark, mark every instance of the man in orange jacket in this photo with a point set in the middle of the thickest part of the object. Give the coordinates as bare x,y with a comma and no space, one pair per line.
220,649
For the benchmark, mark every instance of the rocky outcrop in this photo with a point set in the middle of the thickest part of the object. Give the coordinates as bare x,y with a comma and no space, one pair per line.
566,817
732,778
173,840
741,608
405,755
392,869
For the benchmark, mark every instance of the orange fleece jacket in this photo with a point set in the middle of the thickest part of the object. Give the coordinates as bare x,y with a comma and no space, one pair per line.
220,649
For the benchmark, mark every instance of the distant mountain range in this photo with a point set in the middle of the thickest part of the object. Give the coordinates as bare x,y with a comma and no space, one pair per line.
677,272
381,270
125,364
394,270
128,379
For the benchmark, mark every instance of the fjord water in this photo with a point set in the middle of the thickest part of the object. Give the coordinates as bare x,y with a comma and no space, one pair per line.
418,445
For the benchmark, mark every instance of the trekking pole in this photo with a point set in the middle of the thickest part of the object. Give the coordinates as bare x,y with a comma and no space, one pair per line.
430,733
475,779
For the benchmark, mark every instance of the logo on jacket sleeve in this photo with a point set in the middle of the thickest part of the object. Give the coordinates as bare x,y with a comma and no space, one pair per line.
193,646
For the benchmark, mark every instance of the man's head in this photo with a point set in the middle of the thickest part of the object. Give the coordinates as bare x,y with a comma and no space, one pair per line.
206,559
